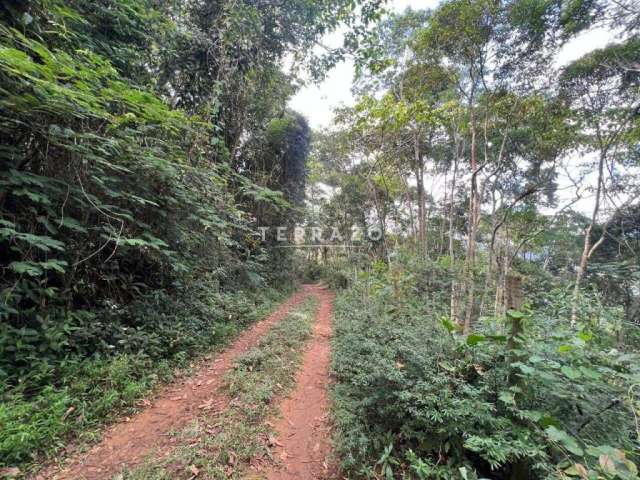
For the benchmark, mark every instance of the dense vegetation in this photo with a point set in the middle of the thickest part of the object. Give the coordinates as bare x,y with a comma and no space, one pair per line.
493,331
415,397
142,144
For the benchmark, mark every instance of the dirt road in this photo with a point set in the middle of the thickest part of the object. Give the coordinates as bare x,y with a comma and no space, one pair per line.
303,445
127,443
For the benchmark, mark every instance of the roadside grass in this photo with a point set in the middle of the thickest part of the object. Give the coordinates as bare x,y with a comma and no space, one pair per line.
222,445
90,393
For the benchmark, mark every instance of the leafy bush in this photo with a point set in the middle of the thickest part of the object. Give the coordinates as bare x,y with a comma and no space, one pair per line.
105,362
336,273
415,398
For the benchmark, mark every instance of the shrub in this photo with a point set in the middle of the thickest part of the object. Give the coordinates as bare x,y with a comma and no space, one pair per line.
415,398
97,365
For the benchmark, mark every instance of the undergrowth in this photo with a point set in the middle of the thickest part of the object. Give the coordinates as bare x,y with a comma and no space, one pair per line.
222,445
416,399
156,338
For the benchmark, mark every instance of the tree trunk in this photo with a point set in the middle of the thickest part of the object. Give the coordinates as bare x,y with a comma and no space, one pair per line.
452,254
587,249
382,219
409,200
471,247
419,172
490,257
441,242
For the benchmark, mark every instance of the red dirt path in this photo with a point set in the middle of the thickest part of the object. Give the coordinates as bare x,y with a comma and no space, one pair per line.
303,444
127,443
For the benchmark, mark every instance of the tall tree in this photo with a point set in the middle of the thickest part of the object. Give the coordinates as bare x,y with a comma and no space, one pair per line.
606,100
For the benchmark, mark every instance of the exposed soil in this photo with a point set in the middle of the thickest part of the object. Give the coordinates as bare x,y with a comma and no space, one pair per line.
126,444
302,432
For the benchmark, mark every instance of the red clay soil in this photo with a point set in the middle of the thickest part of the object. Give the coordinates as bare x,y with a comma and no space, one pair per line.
302,432
128,443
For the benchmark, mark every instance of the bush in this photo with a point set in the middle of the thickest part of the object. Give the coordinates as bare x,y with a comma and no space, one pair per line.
97,365
415,398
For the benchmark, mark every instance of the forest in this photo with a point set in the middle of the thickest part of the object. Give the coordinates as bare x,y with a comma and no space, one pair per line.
196,283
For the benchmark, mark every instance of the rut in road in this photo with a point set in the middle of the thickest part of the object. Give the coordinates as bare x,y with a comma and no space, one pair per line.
302,432
126,444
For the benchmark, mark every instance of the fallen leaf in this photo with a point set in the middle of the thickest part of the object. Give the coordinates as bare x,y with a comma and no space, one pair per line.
607,464
67,413
582,471
194,470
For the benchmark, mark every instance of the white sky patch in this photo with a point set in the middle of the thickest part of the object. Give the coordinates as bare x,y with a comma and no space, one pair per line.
582,44
317,102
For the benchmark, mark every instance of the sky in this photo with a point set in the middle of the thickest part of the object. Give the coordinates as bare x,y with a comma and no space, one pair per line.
316,102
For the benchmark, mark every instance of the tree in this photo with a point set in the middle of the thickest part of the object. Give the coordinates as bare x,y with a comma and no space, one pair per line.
604,96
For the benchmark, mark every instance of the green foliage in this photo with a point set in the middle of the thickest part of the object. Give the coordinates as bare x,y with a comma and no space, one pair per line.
71,375
261,374
416,398
127,208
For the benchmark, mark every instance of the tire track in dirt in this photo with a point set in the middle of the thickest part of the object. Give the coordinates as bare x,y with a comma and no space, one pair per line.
126,444
302,432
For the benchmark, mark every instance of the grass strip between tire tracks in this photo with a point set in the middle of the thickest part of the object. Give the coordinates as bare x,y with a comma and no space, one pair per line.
222,444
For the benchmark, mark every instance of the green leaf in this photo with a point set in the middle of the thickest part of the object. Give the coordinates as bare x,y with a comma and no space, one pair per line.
447,366
448,324
571,373
57,265
35,269
563,438
547,420
515,314
526,369
590,373
27,268
585,336
475,338
47,224
507,397
577,470
566,348
497,338
72,224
